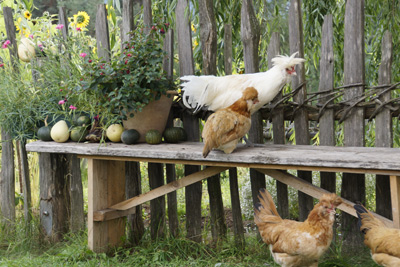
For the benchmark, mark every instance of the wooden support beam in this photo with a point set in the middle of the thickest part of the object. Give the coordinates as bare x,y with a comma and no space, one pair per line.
168,188
317,192
395,193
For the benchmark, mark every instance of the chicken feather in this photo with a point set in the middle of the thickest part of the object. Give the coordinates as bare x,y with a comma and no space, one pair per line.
220,92
383,241
224,128
295,243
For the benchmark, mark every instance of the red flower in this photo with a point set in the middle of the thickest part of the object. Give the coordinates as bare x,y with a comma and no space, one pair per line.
128,71
90,61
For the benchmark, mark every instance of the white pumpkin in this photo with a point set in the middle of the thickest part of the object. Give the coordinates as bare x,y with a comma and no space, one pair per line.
60,132
114,132
26,51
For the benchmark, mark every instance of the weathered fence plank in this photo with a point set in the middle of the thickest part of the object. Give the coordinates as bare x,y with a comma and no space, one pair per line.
157,206
326,77
7,176
233,177
278,128
26,183
208,38
250,36
191,124
353,185
383,126
7,180
301,126
102,34
77,218
54,197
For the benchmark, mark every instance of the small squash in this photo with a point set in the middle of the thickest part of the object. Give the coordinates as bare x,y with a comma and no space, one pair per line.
26,51
153,137
78,133
174,135
130,136
60,132
114,132
43,132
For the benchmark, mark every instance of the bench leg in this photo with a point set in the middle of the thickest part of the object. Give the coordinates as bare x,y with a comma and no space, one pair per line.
395,193
106,187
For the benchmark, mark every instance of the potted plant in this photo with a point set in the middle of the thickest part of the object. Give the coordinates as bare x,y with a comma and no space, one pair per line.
131,82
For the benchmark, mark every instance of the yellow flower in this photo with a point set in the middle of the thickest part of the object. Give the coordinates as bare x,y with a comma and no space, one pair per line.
81,20
193,28
17,24
27,14
109,13
196,43
94,50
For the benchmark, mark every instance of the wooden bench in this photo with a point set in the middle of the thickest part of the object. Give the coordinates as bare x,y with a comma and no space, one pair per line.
106,174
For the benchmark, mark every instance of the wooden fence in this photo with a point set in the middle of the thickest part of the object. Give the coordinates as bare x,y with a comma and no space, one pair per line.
350,104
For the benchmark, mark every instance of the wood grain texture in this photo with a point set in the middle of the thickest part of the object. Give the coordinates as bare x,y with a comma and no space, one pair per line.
7,180
127,24
383,126
359,159
10,30
395,194
228,49
326,78
26,182
102,34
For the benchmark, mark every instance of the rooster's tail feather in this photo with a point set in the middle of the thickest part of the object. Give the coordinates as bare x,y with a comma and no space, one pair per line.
366,220
265,210
195,93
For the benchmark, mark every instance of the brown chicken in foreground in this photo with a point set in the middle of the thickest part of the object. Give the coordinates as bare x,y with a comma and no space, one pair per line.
295,243
384,242
224,128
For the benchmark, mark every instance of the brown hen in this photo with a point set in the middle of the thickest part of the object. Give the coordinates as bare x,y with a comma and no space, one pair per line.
295,243
224,128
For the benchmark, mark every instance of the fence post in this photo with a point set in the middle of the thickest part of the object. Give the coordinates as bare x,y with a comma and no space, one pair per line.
7,175
191,124
326,77
301,126
250,36
353,185
383,126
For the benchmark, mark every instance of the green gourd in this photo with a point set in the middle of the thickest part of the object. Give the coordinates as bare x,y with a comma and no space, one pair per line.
153,137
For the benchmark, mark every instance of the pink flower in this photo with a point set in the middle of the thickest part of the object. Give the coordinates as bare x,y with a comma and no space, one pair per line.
6,43
72,107
59,26
82,54
31,36
1,65
78,29
61,102
162,31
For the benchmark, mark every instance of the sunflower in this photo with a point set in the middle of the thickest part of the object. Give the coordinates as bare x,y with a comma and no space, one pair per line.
27,14
81,19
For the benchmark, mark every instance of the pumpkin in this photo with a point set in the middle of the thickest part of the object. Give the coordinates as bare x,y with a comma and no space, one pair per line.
114,132
59,132
130,136
43,132
78,133
174,135
26,51
153,137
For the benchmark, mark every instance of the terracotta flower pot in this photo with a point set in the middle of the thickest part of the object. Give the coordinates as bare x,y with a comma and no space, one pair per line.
154,116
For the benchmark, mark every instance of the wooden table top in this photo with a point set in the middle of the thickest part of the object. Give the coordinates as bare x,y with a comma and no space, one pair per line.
301,157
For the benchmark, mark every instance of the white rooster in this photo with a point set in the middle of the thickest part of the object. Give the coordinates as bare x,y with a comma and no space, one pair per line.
220,92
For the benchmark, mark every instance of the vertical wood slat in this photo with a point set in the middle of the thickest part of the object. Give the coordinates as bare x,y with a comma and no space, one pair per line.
7,180
353,185
250,36
26,183
102,34
395,195
233,177
278,128
77,218
383,126
208,38
7,175
301,127
147,16
103,193
186,67
326,78
133,185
